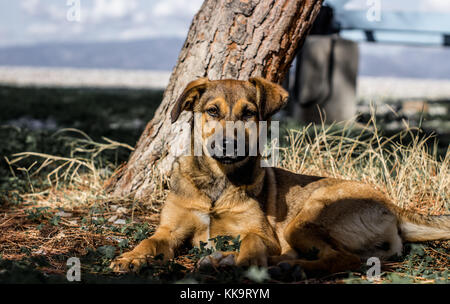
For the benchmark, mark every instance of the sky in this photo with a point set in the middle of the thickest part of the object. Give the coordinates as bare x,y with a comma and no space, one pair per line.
37,21
24,22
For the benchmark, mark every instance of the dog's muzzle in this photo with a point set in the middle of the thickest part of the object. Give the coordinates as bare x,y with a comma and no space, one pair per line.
226,157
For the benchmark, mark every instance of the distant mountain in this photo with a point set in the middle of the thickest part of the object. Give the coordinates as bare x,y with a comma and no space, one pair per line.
162,53
154,54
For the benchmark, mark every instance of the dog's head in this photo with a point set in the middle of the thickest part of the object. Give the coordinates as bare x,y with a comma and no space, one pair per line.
228,111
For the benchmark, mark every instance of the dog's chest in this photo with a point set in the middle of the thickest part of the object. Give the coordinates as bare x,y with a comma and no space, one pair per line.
211,224
204,218
214,188
204,233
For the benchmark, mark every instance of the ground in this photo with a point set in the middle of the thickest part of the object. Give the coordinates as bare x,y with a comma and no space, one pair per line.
46,219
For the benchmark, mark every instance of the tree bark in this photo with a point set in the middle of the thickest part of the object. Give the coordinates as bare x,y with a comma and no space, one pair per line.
227,39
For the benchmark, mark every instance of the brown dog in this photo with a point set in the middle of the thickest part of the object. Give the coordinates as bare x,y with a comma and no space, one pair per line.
278,214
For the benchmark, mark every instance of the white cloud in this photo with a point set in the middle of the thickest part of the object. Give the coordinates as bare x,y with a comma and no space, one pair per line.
137,33
29,6
46,20
42,29
442,6
140,17
44,10
5,36
94,11
165,8
111,9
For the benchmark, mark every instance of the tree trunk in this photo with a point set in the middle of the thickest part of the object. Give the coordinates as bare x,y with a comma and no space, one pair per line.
227,39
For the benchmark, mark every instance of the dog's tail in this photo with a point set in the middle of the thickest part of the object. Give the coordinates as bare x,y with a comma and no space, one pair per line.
416,227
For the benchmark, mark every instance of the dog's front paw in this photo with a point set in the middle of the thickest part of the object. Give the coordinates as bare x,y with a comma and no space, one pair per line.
216,260
147,250
251,259
223,259
129,262
284,271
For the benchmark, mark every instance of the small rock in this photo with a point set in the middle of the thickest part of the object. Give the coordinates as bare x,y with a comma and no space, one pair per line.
257,274
122,210
40,251
114,238
112,218
113,207
120,222
64,214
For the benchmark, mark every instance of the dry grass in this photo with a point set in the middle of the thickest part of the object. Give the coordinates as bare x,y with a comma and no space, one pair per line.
411,175
78,190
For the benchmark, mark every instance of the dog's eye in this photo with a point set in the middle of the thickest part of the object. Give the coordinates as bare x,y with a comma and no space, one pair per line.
248,114
213,112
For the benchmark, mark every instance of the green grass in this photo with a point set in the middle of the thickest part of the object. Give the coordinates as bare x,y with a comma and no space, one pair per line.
117,114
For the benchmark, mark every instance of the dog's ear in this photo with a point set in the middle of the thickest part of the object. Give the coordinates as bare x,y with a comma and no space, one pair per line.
270,96
190,95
